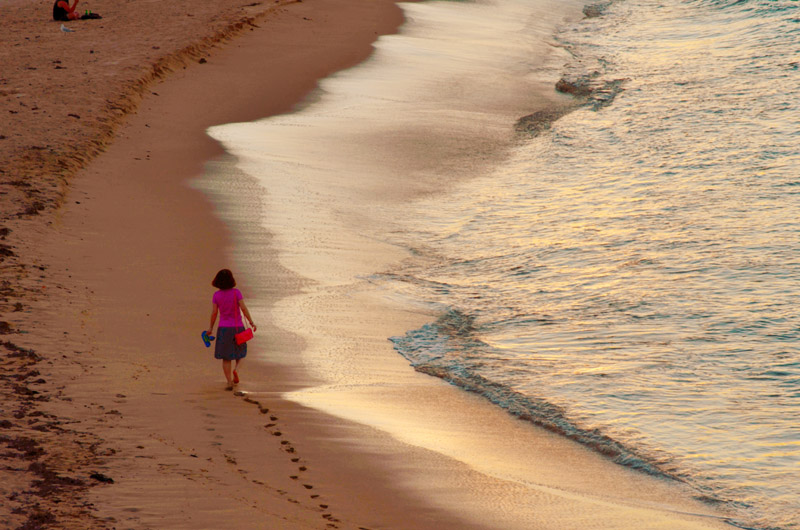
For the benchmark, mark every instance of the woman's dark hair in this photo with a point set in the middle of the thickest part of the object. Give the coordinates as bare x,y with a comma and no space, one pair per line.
224,280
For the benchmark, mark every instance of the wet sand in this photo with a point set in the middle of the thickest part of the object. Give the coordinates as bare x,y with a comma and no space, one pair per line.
110,381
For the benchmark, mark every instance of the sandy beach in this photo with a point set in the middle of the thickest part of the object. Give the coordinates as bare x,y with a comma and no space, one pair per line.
113,413
86,256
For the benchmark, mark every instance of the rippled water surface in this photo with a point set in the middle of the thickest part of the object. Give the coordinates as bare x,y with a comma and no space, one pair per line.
631,277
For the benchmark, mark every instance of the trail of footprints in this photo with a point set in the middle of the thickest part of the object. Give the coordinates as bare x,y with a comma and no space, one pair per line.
287,447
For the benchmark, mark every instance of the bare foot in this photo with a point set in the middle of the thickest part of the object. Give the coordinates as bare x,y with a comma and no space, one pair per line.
235,378
230,386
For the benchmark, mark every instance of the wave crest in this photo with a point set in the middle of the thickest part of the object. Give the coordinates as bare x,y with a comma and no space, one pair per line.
444,348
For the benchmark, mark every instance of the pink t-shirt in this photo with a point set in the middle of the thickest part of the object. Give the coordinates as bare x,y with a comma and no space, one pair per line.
228,303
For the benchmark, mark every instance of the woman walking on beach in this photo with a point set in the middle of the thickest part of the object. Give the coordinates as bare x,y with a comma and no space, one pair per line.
228,302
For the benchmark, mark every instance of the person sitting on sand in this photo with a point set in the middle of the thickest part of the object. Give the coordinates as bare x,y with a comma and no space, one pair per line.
63,12
228,302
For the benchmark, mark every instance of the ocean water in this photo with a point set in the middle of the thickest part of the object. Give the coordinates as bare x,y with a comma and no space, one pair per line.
630,277
619,265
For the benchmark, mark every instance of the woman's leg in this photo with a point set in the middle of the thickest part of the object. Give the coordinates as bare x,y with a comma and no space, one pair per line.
236,369
226,367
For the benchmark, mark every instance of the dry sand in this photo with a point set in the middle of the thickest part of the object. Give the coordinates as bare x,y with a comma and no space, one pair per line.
105,291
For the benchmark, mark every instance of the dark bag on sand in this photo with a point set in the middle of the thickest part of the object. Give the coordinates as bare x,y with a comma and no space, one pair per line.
244,336
89,16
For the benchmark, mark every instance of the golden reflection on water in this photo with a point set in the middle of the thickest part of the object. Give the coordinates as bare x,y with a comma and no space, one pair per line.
636,265
644,256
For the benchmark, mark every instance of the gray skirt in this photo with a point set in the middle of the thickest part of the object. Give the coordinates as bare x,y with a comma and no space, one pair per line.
226,347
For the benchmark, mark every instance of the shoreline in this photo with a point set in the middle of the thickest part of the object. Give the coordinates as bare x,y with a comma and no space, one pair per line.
124,258
401,414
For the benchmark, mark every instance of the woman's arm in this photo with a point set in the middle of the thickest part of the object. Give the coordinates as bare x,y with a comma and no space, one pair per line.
246,312
214,311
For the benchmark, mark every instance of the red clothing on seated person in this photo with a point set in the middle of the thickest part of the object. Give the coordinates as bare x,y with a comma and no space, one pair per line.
62,11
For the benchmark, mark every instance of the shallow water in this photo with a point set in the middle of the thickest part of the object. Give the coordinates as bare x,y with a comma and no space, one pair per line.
637,265
628,277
